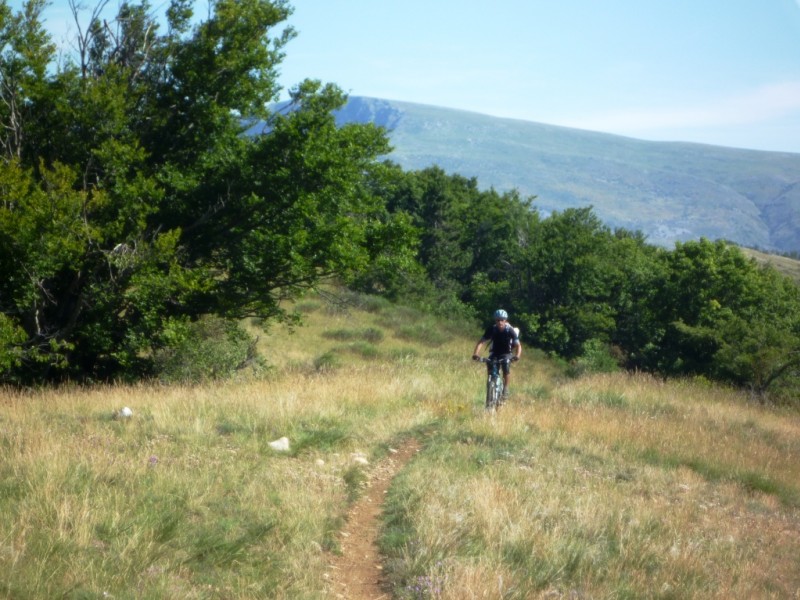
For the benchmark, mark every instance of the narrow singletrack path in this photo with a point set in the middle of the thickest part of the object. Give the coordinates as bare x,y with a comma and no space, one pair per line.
357,573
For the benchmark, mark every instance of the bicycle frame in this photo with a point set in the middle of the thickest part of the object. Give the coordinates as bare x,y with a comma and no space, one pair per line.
494,383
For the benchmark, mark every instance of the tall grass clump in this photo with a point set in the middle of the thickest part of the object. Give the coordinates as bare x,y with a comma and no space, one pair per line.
596,357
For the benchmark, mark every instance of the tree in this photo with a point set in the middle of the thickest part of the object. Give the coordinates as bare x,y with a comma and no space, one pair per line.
563,281
635,272
467,237
25,54
151,208
436,203
294,208
725,317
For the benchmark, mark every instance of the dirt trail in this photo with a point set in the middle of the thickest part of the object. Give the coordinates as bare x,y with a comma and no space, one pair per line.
357,574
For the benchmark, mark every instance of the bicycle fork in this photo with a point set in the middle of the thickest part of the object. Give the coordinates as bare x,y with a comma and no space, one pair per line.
494,388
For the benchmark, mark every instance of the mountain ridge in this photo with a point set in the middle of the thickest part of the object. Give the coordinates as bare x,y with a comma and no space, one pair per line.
670,191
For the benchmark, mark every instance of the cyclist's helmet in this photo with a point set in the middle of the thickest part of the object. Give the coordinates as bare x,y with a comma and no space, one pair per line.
500,314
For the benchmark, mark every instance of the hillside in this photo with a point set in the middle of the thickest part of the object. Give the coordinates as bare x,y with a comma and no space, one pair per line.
669,191
607,486
788,266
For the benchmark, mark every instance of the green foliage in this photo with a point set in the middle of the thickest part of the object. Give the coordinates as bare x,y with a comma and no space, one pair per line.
724,316
327,361
576,288
369,334
150,208
11,339
597,357
151,216
210,348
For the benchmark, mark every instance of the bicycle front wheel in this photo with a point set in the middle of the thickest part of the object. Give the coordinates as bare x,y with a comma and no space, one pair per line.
494,388
499,390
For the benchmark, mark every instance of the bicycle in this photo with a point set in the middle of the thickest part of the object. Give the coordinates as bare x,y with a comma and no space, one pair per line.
494,383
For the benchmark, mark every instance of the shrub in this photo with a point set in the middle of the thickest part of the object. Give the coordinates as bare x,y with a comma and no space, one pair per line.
209,348
422,333
327,361
370,334
597,357
364,349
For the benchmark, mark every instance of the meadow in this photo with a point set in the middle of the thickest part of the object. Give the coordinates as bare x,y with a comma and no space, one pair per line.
607,485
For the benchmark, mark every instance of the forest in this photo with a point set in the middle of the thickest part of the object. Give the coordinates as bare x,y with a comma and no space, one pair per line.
137,221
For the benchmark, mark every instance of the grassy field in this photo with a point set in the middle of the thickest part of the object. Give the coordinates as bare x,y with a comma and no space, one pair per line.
607,486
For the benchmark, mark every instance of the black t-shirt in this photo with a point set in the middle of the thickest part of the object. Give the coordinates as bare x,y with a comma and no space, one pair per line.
502,338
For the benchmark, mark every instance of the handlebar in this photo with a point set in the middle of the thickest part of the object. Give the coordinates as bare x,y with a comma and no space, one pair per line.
495,360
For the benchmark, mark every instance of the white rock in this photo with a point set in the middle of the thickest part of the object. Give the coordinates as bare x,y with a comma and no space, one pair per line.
125,413
359,458
281,445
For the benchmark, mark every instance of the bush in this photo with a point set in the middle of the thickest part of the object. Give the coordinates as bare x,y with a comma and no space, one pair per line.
422,333
370,334
364,349
342,301
597,357
210,348
327,361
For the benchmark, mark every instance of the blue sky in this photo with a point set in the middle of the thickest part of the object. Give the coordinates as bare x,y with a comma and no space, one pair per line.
723,72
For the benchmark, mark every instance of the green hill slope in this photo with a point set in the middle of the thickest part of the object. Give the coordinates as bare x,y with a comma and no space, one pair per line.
670,191
788,266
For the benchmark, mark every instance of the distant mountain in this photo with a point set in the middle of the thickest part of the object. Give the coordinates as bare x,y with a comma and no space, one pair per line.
669,191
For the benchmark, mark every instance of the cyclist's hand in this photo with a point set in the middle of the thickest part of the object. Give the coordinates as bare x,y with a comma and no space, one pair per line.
514,358
475,357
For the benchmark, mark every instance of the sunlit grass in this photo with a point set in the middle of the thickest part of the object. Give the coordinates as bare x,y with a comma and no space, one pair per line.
186,498
608,486
614,486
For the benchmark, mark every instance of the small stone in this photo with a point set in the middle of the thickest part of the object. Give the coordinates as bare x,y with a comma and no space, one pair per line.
281,444
359,458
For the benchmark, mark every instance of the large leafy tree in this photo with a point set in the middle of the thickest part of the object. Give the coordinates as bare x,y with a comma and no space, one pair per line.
564,280
463,234
131,202
724,316
436,203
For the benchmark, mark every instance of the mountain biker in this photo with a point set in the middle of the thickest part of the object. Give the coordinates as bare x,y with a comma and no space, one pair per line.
505,345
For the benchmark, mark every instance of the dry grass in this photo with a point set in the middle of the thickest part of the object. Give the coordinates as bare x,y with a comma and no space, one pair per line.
783,264
186,499
605,487
616,486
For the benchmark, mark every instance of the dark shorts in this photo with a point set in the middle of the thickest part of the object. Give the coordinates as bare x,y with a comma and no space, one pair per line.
506,364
